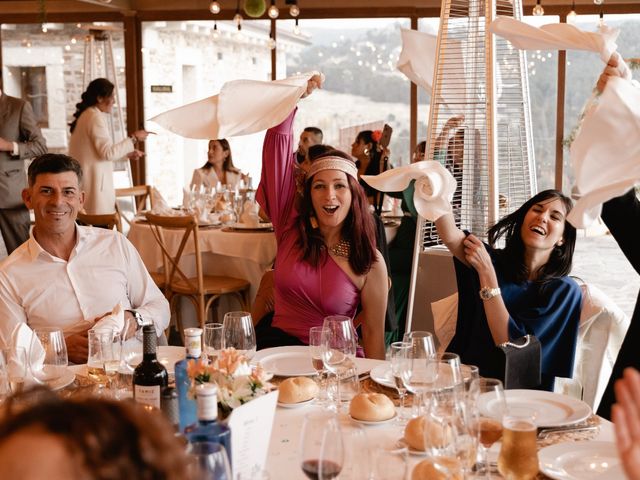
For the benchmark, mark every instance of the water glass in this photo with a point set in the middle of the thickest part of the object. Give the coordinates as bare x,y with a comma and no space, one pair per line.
338,348
48,355
16,367
103,360
321,446
399,366
419,374
315,351
239,333
213,340
518,459
209,461
349,386
357,454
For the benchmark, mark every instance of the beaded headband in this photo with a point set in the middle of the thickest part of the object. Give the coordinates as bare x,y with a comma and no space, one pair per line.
333,163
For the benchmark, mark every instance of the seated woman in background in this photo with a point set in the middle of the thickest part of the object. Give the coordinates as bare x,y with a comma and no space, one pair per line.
219,167
89,439
518,290
326,262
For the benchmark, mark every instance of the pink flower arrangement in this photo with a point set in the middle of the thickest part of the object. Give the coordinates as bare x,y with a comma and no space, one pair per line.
237,381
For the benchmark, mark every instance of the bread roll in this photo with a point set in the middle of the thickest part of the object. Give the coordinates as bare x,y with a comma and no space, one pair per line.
296,390
414,433
426,470
371,407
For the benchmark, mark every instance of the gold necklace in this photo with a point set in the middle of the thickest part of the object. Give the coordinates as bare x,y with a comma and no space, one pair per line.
341,249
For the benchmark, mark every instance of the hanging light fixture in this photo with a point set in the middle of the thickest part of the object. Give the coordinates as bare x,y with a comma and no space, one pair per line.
538,11
273,11
601,21
296,28
271,43
238,16
294,10
254,8
598,2
571,16
214,7
216,33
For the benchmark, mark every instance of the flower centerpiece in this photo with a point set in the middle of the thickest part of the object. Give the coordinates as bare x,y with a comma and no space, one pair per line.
237,381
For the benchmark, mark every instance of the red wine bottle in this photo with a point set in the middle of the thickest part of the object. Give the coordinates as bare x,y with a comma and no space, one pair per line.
150,376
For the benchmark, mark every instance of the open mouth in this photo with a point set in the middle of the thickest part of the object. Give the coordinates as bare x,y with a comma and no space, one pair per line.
538,229
330,209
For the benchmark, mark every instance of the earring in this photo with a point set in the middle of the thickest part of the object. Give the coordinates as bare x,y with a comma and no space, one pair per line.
314,222
366,152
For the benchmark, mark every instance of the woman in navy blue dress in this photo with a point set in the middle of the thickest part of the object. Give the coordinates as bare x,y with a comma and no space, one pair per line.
523,288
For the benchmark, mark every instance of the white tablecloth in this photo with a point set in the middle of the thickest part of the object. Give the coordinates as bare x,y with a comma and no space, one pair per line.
283,460
239,254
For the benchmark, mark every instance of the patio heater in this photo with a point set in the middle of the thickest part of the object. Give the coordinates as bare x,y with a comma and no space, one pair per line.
484,78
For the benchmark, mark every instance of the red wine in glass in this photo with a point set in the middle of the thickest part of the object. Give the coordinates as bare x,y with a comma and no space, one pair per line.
312,470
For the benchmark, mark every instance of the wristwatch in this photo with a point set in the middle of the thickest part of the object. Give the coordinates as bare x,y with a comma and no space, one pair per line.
487,293
140,322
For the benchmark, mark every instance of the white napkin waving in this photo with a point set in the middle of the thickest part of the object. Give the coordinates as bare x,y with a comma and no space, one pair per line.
242,107
556,36
113,321
250,214
606,151
434,186
23,336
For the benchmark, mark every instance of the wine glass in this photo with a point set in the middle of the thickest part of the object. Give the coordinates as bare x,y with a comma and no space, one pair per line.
399,364
427,336
390,462
209,460
449,370
16,366
48,355
338,348
239,333
486,396
518,459
213,340
419,374
321,446
315,350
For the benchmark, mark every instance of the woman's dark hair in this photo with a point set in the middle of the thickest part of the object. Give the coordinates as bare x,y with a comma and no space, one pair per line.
373,168
107,439
227,165
358,228
511,257
100,87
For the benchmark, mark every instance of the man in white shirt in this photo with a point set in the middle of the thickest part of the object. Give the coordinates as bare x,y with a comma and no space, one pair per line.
69,276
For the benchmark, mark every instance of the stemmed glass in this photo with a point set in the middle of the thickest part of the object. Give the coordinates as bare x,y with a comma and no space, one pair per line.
338,348
16,366
239,333
209,460
419,374
315,350
48,355
321,446
399,365
213,340
486,396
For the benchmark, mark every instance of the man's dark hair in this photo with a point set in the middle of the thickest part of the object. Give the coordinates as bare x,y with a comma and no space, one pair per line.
315,131
53,163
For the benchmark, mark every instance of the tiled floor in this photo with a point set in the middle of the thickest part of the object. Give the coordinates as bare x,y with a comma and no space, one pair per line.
599,261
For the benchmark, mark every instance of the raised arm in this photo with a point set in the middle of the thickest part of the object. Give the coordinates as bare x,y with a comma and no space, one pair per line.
451,236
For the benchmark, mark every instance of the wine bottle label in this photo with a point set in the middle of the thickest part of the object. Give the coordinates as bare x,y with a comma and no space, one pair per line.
149,395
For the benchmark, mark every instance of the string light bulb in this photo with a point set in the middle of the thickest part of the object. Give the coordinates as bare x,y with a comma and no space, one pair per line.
571,16
216,33
598,2
238,16
214,7
296,28
538,11
294,10
601,21
271,43
273,11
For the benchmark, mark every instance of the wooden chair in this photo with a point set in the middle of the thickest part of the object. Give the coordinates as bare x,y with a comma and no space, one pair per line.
108,221
197,288
133,200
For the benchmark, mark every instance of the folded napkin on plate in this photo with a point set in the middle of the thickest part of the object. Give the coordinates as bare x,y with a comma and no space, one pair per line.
434,187
418,58
186,198
605,153
556,36
250,214
113,321
23,336
158,200
242,107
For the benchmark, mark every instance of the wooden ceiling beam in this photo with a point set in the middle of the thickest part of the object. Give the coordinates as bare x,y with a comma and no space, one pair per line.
113,4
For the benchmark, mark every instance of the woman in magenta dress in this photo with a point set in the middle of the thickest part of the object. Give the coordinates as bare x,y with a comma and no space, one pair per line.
327,262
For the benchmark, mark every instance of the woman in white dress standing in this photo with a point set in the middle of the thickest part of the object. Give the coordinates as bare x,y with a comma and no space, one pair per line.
219,167
92,146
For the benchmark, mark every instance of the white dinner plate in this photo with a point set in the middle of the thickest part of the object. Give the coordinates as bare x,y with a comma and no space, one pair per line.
581,461
412,451
551,409
66,379
296,405
379,422
244,226
289,361
382,375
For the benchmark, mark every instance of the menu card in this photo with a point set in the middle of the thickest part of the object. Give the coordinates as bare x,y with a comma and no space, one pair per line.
251,426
